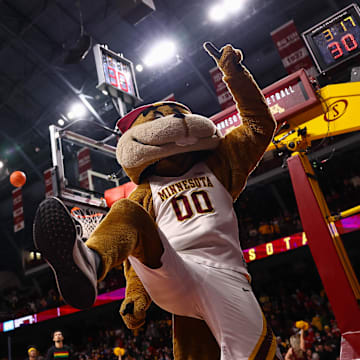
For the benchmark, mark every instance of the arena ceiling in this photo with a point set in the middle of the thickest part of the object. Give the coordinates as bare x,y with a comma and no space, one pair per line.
37,87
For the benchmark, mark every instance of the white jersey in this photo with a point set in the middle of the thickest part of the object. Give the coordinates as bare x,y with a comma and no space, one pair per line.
195,213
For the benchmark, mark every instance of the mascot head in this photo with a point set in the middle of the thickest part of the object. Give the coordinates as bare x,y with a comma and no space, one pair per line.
158,134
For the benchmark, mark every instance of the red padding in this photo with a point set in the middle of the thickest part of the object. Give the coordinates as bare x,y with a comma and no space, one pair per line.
119,192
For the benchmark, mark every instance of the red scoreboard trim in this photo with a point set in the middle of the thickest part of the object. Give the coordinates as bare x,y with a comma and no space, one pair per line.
279,97
298,76
275,247
344,226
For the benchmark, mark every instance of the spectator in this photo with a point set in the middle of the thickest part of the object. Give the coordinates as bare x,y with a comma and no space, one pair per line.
33,353
297,347
308,354
58,350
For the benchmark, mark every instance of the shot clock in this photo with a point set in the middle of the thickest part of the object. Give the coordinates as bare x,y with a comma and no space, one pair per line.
334,40
115,74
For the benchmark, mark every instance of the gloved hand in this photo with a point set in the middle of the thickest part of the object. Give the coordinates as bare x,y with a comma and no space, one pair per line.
137,300
133,310
228,59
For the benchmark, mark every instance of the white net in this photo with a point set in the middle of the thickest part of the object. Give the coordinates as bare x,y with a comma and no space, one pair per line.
88,218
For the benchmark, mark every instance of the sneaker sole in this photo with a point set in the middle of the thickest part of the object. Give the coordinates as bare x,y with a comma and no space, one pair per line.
55,237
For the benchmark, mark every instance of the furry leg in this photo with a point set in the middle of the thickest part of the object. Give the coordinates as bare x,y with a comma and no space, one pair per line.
126,230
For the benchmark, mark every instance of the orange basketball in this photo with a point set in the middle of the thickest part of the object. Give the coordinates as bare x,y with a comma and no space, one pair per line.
18,178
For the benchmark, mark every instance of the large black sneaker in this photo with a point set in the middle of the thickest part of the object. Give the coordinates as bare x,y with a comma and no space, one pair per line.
71,260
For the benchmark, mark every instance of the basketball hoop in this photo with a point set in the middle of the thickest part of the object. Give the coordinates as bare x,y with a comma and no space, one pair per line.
88,218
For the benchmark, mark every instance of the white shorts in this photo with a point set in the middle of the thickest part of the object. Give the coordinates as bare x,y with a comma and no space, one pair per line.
223,298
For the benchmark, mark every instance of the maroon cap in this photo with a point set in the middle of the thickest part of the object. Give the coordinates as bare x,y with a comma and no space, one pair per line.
126,121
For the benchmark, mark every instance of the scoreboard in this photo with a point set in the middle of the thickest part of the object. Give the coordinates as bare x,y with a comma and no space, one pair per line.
335,40
286,98
115,74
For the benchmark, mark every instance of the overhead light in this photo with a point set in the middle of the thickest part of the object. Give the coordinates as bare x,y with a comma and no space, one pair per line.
61,122
70,115
160,53
139,68
105,92
222,10
232,6
77,111
217,13
1,164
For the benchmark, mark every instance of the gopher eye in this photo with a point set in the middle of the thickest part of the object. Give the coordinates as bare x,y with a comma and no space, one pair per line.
158,114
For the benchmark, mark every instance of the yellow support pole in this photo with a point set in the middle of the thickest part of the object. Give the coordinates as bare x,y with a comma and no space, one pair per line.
346,213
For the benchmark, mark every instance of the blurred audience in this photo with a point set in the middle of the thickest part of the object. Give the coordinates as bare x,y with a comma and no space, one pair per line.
319,340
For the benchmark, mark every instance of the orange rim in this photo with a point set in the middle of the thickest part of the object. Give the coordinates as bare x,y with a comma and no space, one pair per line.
84,216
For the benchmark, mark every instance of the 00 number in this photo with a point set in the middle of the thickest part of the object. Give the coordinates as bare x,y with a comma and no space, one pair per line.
348,41
184,206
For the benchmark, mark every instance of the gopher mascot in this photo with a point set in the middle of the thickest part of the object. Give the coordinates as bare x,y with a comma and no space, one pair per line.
177,233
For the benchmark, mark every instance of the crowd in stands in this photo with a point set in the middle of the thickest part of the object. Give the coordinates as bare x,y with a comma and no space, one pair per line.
16,302
322,339
269,220
154,340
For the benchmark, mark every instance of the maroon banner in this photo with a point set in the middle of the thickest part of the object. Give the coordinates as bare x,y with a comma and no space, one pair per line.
49,188
292,50
18,210
84,164
222,92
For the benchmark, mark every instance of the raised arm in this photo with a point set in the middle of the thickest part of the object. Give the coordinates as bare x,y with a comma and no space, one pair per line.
241,150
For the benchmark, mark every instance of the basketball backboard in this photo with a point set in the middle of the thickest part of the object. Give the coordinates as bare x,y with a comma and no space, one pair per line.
83,168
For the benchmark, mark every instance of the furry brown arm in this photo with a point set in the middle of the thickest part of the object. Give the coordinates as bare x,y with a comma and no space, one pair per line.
241,150
135,291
